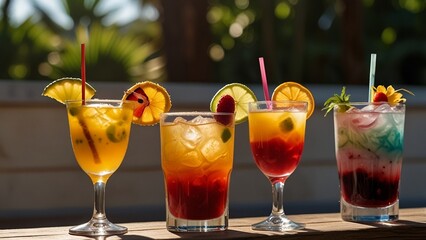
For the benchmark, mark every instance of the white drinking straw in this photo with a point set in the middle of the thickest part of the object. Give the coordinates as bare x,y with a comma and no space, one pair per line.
372,76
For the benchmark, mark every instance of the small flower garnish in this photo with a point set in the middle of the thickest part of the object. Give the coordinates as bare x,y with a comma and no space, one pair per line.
389,94
342,100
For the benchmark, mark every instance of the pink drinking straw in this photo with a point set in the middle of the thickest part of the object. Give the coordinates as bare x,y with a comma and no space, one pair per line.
264,80
83,74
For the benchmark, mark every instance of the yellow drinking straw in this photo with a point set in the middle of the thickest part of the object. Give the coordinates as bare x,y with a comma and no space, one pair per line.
372,76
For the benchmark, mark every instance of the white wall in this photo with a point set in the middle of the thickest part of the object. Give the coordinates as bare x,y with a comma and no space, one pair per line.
40,178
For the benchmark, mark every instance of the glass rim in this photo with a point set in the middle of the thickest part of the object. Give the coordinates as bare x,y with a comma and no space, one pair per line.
96,100
195,113
279,101
369,103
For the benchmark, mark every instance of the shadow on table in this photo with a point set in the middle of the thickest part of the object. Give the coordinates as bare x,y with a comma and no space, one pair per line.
134,237
228,234
123,237
399,223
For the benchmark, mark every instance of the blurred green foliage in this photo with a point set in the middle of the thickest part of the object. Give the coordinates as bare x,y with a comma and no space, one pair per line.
303,40
300,40
40,48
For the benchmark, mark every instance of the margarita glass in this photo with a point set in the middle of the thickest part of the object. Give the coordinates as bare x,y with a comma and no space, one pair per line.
100,131
277,133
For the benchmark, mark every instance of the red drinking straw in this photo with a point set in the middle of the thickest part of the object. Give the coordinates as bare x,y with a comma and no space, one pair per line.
264,80
83,74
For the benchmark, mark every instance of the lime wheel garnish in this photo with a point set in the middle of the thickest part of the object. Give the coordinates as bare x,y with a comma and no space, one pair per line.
151,100
65,89
241,95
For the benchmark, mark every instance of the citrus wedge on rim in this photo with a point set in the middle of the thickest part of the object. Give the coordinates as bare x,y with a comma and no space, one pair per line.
242,96
64,89
294,91
152,100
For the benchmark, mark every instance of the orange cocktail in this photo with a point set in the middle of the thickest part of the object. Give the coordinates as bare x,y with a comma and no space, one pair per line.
197,155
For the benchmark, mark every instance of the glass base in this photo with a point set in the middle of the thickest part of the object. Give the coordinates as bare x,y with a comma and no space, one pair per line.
184,225
278,223
95,228
353,213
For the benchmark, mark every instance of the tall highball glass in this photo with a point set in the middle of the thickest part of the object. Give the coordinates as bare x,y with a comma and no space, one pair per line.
369,143
197,154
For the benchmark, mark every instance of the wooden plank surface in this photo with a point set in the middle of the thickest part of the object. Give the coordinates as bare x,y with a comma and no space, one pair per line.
412,225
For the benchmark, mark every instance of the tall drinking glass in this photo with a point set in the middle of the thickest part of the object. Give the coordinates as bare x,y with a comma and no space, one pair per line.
369,144
100,131
277,133
197,152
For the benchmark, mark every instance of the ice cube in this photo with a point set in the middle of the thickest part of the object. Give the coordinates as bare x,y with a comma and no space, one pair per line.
201,120
398,118
353,110
191,159
368,108
383,108
191,136
90,112
173,149
176,151
366,120
179,120
213,149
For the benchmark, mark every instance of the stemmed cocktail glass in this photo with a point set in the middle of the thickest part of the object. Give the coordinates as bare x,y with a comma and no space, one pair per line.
100,131
277,132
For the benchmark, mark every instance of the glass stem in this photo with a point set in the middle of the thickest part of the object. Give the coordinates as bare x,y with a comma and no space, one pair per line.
277,198
99,205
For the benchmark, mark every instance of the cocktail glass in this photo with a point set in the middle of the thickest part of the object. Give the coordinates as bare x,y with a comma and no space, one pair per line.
197,151
369,146
277,133
100,131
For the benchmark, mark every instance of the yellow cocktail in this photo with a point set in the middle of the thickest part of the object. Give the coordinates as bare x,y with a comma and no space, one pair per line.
100,131
99,136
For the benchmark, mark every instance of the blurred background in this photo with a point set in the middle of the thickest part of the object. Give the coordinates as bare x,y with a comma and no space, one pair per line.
320,42
194,47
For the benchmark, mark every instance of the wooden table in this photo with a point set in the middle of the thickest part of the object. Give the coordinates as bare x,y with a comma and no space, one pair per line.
412,225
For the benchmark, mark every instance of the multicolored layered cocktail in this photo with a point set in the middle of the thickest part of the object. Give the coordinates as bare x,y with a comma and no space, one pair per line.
369,146
369,142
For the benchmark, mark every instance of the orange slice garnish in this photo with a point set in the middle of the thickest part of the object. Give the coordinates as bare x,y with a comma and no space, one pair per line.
152,100
294,91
